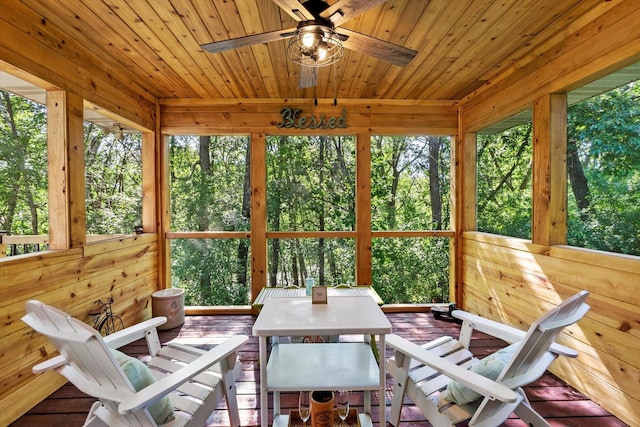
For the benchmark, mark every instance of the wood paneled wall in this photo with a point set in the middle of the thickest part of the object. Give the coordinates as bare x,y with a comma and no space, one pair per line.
71,280
77,273
514,281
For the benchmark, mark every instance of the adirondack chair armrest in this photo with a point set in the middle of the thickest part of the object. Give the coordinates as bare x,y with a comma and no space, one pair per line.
47,365
505,332
496,329
133,333
115,340
474,381
160,388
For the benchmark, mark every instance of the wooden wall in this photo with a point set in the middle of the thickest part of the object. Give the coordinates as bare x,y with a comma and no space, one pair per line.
71,280
77,273
514,281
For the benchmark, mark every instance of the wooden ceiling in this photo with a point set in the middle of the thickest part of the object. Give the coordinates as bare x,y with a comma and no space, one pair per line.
461,44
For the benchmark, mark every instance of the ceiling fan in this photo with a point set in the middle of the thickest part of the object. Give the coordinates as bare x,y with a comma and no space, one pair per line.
316,41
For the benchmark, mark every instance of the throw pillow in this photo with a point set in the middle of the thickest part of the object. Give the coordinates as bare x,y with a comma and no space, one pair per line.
140,377
489,367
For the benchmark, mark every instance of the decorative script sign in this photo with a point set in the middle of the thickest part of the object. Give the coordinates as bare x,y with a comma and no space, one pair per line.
293,118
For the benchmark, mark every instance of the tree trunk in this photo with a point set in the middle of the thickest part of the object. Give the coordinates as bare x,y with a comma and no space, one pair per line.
434,182
395,179
578,180
274,253
204,162
321,213
243,245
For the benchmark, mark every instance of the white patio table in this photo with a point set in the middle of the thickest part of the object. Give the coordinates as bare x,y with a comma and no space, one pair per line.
317,366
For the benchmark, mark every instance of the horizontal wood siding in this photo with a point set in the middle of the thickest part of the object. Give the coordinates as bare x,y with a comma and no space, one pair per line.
124,268
211,116
514,281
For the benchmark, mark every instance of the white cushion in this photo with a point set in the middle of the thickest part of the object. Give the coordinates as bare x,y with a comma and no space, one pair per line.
140,377
489,367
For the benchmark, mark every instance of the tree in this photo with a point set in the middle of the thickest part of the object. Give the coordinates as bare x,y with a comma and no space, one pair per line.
504,182
23,166
604,171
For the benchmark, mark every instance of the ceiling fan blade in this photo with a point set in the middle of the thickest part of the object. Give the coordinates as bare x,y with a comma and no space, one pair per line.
343,10
396,54
295,9
270,36
308,77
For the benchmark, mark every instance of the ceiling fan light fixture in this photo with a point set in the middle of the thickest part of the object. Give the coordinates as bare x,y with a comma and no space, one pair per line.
315,46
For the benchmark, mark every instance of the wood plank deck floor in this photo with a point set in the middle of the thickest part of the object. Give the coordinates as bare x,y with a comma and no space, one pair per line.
560,404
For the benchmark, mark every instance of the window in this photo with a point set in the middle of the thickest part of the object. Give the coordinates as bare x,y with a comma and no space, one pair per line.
209,198
331,262
504,177
603,164
209,183
311,188
410,178
23,166
113,176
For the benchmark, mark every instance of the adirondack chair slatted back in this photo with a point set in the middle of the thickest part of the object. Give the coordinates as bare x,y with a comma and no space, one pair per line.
90,365
533,355
535,347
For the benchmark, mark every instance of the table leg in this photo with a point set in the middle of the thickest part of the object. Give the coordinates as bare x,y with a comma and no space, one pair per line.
264,402
382,400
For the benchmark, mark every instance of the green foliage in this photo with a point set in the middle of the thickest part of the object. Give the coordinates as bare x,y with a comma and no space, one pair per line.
504,182
411,270
310,183
207,191
604,132
337,255
206,269
400,185
207,194
113,181
23,166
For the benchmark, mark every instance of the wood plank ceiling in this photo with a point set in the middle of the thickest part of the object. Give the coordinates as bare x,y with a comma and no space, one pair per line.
460,43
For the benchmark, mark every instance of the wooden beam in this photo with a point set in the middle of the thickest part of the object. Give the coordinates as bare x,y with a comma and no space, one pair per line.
65,150
59,228
258,213
149,189
549,216
595,49
363,209
162,182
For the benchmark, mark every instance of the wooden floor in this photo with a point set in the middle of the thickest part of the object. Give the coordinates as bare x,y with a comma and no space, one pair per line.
560,404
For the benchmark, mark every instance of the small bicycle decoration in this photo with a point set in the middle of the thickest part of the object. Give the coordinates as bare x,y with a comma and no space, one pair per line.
104,320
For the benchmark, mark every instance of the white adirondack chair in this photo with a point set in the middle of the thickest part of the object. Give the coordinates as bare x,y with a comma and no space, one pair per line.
434,375
195,380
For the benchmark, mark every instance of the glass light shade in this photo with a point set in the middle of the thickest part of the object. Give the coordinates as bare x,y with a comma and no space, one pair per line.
315,46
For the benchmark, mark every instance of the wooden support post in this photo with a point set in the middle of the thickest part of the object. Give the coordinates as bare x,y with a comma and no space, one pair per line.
163,207
259,265
363,209
3,246
464,200
549,218
150,188
65,150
